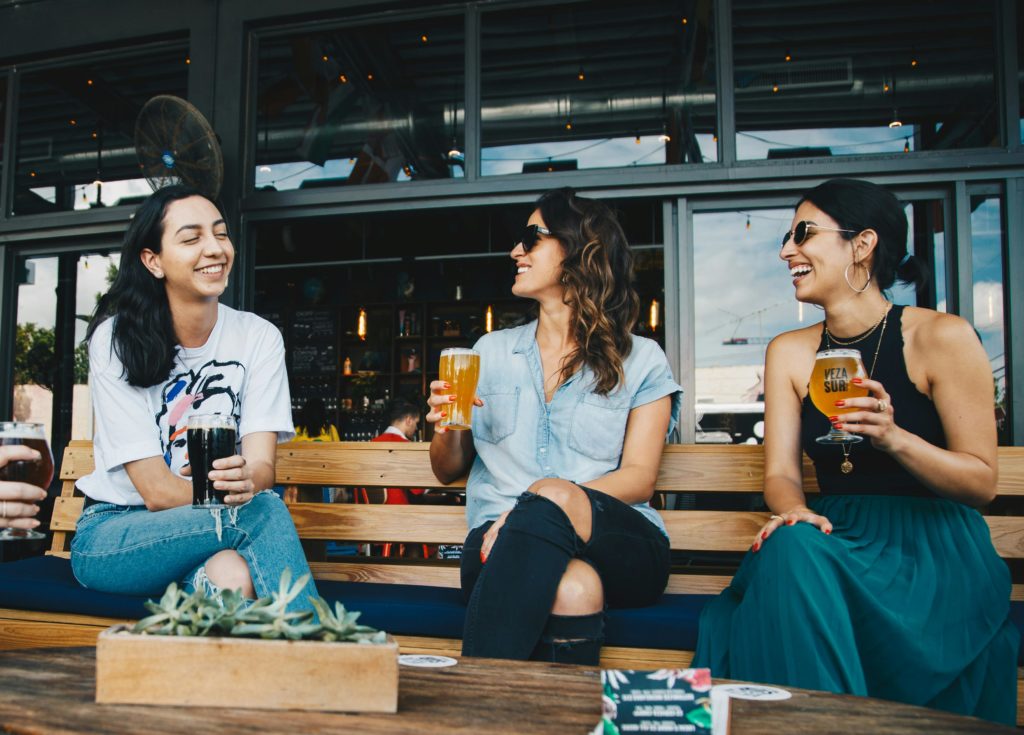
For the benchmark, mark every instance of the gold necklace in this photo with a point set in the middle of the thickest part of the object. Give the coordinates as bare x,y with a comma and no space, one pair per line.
847,466
855,340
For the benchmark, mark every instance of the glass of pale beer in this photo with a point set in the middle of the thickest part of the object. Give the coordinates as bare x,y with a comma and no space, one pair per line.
38,472
831,381
460,368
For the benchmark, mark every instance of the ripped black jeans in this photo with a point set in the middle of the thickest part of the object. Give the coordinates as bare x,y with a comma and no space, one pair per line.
510,597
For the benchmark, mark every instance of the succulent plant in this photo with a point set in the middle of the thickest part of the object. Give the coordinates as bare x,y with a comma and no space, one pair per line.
227,612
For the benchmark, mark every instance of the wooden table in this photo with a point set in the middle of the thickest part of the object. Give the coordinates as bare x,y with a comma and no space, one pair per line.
51,691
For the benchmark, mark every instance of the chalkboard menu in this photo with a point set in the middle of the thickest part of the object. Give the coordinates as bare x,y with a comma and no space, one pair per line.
313,343
274,317
314,325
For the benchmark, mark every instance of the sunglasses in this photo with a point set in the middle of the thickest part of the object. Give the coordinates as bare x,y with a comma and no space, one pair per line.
530,236
801,232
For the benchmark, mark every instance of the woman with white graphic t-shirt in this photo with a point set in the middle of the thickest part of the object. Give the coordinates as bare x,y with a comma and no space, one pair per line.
161,348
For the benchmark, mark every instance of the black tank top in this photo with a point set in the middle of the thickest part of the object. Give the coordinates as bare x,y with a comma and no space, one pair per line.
874,472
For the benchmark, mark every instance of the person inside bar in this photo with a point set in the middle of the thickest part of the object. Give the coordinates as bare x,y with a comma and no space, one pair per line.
161,348
886,584
571,417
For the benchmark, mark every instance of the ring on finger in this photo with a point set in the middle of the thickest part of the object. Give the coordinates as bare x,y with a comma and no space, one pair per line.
776,518
882,407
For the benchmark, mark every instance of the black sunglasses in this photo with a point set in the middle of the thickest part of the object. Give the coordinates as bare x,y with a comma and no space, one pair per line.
530,236
800,233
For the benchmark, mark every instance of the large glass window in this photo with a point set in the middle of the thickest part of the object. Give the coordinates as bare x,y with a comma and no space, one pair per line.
361,104
735,324
826,80
987,269
597,84
3,114
76,129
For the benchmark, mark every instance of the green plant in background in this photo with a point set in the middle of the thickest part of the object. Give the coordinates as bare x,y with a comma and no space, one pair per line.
228,613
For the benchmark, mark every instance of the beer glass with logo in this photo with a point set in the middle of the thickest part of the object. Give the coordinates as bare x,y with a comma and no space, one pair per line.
460,368
210,436
38,472
831,381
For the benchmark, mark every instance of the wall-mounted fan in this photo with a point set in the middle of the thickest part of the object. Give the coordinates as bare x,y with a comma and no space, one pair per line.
175,144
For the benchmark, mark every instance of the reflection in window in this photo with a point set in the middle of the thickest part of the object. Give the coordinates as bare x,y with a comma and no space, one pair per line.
3,114
987,269
95,274
76,125
361,105
35,364
597,84
837,86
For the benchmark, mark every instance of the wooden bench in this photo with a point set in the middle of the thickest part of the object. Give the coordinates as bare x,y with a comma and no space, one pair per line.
696,470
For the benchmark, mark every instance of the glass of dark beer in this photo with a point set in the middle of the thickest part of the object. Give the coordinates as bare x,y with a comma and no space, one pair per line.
37,472
210,436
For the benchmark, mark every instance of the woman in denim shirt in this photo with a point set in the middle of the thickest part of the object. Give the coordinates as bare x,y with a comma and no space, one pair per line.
571,417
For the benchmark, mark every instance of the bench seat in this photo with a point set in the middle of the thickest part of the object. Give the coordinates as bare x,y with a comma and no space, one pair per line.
46,584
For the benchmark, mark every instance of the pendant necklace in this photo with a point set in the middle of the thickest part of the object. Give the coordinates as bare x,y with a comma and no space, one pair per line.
846,467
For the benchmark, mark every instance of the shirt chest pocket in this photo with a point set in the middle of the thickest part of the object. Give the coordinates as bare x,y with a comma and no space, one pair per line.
496,420
599,426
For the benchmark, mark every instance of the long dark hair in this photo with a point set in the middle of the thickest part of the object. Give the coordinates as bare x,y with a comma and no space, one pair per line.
313,418
143,332
597,273
860,205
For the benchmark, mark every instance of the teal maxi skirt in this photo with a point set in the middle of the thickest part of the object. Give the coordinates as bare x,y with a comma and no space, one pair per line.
906,600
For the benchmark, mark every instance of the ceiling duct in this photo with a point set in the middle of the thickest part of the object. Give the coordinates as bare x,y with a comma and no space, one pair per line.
824,73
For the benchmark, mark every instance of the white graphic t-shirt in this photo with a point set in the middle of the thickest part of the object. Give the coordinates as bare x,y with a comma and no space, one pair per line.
240,372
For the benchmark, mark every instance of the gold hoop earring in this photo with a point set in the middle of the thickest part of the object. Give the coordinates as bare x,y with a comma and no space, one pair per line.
846,275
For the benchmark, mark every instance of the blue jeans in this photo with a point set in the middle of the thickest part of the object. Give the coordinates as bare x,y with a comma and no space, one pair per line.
129,550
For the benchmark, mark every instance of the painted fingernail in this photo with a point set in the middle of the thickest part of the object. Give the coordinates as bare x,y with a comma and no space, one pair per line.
833,419
858,381
452,398
790,522
444,413
483,557
840,403
447,386
828,531
764,535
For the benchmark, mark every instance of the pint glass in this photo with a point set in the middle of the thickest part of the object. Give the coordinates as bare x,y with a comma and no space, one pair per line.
460,368
37,472
210,437
830,382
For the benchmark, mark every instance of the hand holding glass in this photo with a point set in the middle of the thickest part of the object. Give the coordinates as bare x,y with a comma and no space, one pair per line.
460,368
210,437
38,472
831,381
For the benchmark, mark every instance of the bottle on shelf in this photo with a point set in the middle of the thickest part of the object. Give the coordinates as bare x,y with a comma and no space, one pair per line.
346,367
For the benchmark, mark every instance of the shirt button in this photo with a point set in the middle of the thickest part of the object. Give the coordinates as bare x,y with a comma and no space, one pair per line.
543,450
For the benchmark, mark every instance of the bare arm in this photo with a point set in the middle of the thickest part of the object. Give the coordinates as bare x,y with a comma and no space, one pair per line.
783,479
634,480
241,475
960,378
451,452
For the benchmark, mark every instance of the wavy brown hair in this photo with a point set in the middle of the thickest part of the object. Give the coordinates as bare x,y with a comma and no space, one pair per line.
597,273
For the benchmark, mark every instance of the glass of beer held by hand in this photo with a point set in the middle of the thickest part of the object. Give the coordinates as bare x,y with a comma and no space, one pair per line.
831,381
210,437
460,368
38,472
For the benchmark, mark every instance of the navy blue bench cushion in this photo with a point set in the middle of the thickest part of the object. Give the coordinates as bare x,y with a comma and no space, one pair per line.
45,583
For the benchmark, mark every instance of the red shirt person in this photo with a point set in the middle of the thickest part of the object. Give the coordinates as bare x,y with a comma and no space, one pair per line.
404,422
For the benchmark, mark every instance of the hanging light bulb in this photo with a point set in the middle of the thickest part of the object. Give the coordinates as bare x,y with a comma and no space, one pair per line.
343,79
454,153
748,221
581,75
906,146
361,324
265,169
423,38
664,137
895,122
788,56
638,137
489,319
775,87
568,124
913,62
653,320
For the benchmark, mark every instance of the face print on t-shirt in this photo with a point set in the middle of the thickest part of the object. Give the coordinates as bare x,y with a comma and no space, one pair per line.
215,387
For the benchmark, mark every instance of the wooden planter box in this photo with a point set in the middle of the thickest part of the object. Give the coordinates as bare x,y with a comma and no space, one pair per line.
246,672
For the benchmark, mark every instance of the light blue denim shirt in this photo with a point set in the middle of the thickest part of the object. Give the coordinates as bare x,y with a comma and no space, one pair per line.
578,436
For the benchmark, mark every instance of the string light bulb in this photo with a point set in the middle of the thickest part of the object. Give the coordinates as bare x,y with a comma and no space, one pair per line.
748,222
653,318
343,79
188,60
913,62
775,87
89,82
423,38
685,20
361,324
265,169
664,137
895,122
638,138
906,146
789,56
568,124
581,75
489,319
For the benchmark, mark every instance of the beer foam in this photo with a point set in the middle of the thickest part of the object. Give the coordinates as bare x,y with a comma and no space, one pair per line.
458,351
217,421
17,430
